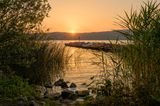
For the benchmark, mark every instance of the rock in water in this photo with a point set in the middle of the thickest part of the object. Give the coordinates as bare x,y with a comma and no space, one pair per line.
64,85
79,100
61,83
82,93
49,85
68,94
73,85
56,96
33,103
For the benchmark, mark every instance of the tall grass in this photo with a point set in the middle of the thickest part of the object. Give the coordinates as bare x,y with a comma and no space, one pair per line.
33,58
143,56
134,78
51,60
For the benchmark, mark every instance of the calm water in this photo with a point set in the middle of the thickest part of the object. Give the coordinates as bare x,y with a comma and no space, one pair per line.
83,65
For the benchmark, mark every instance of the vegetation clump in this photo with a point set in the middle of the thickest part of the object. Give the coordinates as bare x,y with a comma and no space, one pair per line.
25,58
134,79
142,57
14,86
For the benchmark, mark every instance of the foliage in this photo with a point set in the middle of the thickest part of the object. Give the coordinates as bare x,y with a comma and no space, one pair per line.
21,16
143,55
17,54
135,66
14,86
36,61
18,20
51,59
50,102
21,53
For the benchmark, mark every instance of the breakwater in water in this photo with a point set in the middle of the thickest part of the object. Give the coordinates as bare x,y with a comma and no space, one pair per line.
107,47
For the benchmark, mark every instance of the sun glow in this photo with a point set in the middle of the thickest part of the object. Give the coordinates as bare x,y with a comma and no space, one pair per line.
72,31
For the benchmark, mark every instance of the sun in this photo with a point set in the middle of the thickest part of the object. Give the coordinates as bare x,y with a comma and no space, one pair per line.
72,31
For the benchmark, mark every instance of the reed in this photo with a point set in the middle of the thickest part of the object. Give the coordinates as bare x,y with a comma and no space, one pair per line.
51,59
134,78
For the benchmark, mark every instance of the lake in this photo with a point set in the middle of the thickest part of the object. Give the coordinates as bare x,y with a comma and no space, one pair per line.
85,65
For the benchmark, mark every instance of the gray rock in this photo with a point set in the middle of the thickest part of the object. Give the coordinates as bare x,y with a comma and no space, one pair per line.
49,85
20,103
43,103
33,103
55,96
84,83
82,93
68,94
73,85
91,78
64,85
22,98
79,100
61,83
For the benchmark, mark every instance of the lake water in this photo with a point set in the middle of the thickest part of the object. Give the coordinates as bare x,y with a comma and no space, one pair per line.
84,64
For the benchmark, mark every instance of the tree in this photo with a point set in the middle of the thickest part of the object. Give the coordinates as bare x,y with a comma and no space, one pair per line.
18,20
22,16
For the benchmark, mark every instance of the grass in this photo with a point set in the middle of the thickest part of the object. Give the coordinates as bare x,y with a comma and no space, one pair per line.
142,57
51,59
134,76
14,86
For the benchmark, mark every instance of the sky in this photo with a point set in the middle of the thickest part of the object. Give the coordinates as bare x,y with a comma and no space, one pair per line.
77,16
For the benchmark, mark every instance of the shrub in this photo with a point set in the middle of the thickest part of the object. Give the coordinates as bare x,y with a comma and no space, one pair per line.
15,86
17,54
38,61
21,53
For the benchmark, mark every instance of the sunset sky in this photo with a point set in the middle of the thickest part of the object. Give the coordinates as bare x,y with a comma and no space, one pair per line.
87,15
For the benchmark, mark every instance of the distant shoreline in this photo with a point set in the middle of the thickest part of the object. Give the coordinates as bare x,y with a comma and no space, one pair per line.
108,35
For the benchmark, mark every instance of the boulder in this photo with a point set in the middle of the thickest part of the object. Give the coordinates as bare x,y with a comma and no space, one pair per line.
49,85
79,100
84,83
82,93
73,85
64,85
22,98
42,103
68,94
66,102
33,103
55,96
61,83
22,101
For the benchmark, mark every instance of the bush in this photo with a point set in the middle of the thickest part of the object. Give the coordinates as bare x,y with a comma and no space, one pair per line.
17,54
14,86
39,62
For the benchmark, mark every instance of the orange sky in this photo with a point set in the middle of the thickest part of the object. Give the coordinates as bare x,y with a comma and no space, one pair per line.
87,15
